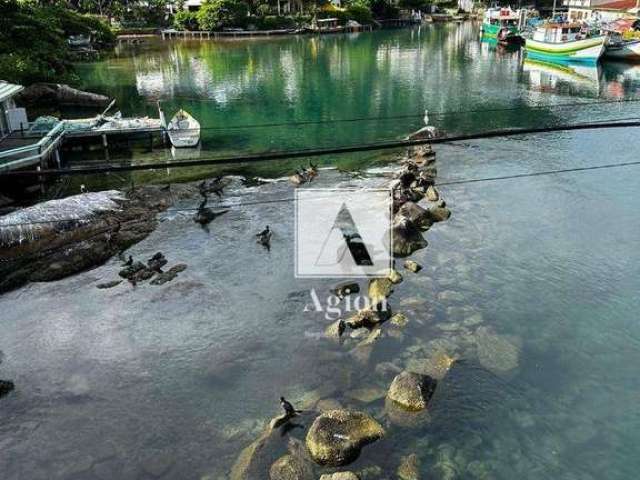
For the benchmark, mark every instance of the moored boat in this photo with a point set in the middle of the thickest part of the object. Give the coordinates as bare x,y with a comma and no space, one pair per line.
564,42
502,24
183,130
624,50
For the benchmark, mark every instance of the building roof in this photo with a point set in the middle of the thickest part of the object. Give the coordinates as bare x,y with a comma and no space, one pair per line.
8,90
622,5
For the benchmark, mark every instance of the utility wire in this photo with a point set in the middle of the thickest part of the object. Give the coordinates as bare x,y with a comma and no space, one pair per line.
420,115
316,152
291,199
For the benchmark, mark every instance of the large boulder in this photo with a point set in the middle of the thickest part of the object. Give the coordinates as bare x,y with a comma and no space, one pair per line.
58,238
417,215
406,237
379,289
255,460
412,391
336,436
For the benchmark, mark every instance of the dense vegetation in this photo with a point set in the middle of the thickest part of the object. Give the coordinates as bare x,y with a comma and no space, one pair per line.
34,33
33,40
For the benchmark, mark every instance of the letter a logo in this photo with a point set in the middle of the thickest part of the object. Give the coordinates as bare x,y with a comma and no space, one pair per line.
344,231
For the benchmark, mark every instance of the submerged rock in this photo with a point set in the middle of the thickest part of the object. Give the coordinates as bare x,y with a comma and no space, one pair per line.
106,285
340,476
169,275
409,468
435,366
412,391
366,395
255,460
497,353
336,436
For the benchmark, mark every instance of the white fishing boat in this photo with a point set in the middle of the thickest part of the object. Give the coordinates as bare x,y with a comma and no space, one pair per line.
183,130
565,42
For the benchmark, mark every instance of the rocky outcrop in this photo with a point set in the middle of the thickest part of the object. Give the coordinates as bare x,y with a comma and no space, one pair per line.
337,436
412,391
418,216
412,266
367,318
61,95
379,290
58,238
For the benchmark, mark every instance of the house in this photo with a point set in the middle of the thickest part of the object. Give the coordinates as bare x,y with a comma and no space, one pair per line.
600,10
11,117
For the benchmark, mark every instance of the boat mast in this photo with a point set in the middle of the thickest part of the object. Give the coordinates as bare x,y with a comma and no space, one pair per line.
553,12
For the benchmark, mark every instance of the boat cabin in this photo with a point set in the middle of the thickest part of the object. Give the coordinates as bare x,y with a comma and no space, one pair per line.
560,33
502,17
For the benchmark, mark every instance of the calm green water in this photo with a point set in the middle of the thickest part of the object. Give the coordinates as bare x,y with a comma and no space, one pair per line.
173,381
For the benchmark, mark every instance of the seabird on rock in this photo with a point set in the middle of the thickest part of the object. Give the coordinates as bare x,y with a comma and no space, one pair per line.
129,262
288,408
205,215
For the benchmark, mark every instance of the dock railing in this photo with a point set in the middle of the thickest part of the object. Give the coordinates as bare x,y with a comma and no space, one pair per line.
34,153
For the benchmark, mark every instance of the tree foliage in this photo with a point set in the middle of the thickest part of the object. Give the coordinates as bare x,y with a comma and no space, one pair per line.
33,41
219,14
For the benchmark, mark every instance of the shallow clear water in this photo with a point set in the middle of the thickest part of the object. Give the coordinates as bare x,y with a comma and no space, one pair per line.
177,379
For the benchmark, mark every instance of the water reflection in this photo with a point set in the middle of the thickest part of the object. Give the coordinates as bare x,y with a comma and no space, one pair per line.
570,79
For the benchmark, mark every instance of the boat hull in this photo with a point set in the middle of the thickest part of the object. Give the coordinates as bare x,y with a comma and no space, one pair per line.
628,51
184,130
588,50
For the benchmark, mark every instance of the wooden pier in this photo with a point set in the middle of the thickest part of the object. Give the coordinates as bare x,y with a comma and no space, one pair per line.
205,35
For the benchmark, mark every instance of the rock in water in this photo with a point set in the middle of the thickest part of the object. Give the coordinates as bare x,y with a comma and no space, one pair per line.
412,391
335,330
340,476
432,194
417,215
6,387
399,320
496,352
394,276
336,436
344,289
379,290
439,214
169,275
406,238
365,318
412,266
290,467
106,285
254,461
409,468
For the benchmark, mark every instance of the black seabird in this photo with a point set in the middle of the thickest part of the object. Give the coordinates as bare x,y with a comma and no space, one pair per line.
288,408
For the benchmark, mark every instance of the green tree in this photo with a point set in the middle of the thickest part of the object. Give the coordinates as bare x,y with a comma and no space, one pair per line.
218,14
185,20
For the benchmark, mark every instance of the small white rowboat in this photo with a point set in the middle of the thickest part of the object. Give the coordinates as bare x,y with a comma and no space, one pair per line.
183,130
